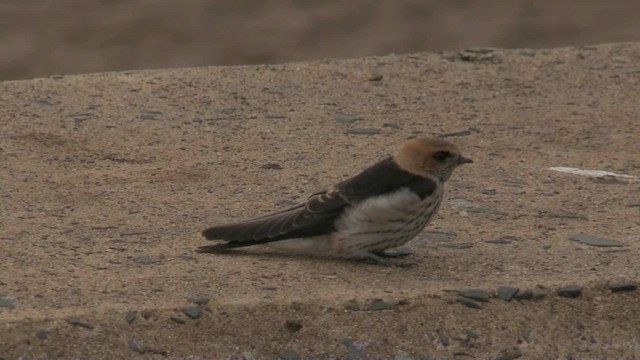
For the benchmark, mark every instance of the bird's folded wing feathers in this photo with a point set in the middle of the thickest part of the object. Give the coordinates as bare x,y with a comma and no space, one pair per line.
311,218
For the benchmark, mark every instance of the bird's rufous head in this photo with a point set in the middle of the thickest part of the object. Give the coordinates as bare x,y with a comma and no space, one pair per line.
430,157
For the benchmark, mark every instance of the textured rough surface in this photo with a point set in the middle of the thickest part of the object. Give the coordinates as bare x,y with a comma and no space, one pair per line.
108,179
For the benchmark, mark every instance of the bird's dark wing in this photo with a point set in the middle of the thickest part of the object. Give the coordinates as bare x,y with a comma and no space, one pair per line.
311,218
317,215
382,178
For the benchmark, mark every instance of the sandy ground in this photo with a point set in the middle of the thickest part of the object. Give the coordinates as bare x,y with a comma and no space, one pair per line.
107,180
43,37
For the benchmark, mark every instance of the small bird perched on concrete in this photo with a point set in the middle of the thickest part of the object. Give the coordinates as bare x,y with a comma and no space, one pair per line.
383,207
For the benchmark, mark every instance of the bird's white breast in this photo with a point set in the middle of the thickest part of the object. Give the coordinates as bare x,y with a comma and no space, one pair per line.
383,222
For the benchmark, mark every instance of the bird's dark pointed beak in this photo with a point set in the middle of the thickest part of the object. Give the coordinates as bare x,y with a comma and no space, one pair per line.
464,160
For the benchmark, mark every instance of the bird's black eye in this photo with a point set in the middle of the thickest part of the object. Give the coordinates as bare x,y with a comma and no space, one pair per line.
441,156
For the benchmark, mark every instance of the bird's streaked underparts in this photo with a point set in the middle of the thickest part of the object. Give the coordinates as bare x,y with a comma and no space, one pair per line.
383,207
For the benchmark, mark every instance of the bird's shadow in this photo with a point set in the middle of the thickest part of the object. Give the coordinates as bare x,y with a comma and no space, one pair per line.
274,254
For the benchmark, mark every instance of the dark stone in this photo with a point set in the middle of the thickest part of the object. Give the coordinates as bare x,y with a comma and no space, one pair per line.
193,312
228,111
140,348
149,114
80,323
472,207
507,292
475,294
42,334
468,302
471,334
178,320
572,291
136,346
375,78
352,305
7,302
444,340
289,355
271,166
595,241
509,354
530,294
499,242
401,355
145,259
623,286
356,351
455,133
453,245
292,326
198,300
363,131
130,316
378,304
346,118
44,102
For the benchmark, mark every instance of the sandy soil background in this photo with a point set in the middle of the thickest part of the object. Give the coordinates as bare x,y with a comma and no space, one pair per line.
42,37
107,180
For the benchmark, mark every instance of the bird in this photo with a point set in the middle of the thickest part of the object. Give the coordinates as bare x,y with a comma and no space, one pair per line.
381,208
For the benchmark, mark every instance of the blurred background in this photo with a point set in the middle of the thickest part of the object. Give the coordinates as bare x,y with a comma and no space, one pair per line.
46,37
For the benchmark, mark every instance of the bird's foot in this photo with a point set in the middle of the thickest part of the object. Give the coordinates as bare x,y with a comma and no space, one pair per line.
397,253
387,261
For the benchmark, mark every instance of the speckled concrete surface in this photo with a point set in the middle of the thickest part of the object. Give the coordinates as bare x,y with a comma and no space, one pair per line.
108,179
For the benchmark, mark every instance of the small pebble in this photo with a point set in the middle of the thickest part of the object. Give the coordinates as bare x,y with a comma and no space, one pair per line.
595,240
274,117
507,292
623,286
271,166
401,355
130,317
198,300
42,334
193,312
289,355
509,354
378,304
530,294
476,294
346,118
145,259
292,326
80,323
468,302
7,302
454,245
498,242
572,291
363,131
178,320
228,111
